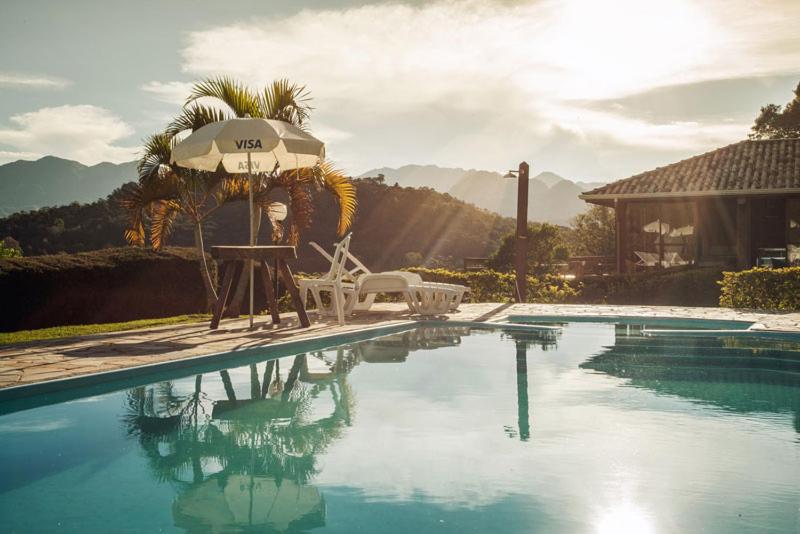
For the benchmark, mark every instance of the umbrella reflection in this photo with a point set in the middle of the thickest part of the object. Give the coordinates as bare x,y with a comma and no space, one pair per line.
243,463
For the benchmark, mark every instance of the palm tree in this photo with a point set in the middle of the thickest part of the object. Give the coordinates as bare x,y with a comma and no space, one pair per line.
165,191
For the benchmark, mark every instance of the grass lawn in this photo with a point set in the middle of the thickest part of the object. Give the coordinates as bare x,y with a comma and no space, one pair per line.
56,332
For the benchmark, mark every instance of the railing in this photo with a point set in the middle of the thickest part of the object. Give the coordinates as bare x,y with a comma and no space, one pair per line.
591,265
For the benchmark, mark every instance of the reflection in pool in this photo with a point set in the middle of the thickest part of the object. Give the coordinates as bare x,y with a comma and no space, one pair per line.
590,429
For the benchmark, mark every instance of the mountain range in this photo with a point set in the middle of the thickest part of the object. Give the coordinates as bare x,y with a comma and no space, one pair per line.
52,181
551,198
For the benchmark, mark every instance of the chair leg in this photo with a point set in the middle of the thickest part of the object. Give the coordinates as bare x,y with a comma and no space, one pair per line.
338,304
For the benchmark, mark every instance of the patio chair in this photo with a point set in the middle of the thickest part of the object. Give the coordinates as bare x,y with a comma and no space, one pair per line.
424,298
332,282
646,259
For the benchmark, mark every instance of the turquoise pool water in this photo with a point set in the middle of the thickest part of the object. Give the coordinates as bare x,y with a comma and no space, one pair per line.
593,428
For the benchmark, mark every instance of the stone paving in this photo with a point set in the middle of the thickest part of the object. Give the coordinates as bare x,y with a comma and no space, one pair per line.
61,358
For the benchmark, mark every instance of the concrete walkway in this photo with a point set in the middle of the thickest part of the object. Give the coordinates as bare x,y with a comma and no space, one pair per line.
53,359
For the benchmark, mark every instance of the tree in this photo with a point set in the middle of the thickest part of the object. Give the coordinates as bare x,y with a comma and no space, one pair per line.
775,122
593,232
545,248
165,191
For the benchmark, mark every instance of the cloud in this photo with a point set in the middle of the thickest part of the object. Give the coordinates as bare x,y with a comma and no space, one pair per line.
30,81
169,92
85,133
522,69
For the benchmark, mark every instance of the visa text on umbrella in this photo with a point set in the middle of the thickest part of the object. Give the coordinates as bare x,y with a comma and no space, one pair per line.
248,143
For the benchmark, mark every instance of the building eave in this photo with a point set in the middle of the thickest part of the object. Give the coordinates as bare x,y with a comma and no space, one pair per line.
606,198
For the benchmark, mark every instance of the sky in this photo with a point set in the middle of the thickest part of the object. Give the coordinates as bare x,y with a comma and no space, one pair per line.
590,89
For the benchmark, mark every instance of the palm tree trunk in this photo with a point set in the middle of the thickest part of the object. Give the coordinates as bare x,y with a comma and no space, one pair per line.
211,295
235,307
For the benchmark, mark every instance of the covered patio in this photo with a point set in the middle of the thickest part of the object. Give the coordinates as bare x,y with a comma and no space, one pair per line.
737,206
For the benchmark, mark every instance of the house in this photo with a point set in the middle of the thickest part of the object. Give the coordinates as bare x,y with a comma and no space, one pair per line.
737,206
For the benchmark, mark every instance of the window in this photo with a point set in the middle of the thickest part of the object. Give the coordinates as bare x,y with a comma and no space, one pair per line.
662,233
793,230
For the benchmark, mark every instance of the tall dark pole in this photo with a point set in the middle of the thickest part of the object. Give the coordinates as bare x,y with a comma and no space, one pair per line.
521,249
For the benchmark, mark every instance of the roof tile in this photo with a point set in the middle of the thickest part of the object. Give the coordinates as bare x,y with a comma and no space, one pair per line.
744,166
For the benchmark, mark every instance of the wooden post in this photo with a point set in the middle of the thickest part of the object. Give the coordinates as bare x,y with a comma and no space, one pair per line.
521,252
743,233
698,229
621,216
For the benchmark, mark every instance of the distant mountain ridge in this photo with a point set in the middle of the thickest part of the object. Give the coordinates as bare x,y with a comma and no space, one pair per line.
551,198
52,181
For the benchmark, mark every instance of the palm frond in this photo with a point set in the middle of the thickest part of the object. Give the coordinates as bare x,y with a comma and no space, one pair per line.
162,217
232,93
286,101
343,189
156,156
131,201
193,117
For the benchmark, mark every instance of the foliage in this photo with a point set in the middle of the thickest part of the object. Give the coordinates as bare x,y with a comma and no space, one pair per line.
762,289
383,230
593,232
688,286
545,249
57,332
165,189
70,228
110,285
9,248
776,122
493,286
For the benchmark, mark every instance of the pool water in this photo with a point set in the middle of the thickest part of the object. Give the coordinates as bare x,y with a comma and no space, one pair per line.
593,428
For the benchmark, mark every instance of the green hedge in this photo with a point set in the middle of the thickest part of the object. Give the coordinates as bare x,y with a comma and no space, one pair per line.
493,286
762,289
111,285
689,286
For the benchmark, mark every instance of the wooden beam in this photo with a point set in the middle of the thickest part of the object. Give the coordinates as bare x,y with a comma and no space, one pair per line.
621,216
743,233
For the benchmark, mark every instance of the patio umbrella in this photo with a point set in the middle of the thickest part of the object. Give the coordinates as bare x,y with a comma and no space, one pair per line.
656,227
248,145
682,231
242,502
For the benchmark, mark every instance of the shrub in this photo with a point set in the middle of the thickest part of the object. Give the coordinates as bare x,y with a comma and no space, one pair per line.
493,286
690,286
762,289
111,285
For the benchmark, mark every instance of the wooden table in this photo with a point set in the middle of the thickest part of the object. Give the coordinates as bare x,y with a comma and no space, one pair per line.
235,258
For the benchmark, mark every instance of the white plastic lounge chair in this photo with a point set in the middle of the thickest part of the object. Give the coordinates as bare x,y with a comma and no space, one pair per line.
333,282
650,259
424,298
646,259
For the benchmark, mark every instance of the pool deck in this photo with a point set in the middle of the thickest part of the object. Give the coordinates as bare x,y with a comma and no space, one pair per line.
62,358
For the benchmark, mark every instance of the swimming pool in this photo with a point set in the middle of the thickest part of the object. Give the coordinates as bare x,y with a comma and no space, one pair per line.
589,427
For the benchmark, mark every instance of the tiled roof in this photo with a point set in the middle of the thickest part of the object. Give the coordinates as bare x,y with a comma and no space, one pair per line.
746,167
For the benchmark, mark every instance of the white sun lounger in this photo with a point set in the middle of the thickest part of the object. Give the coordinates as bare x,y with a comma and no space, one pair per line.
333,282
424,298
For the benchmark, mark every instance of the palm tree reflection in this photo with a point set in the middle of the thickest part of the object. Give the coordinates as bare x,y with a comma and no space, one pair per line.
246,460
243,463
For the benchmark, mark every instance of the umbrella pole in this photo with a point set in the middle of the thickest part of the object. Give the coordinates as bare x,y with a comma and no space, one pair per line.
252,232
